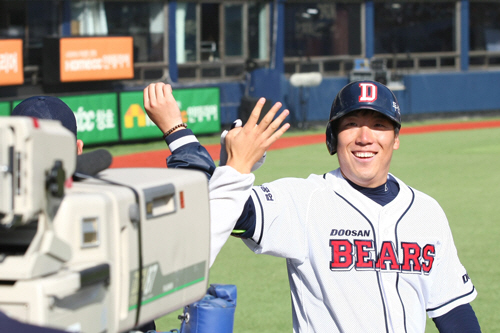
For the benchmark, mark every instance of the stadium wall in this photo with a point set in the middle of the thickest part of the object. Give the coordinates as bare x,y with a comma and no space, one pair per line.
422,95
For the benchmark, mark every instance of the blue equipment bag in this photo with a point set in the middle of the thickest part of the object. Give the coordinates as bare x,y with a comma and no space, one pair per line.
213,313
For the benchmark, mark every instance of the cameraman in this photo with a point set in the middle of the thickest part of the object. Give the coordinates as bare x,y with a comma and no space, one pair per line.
52,108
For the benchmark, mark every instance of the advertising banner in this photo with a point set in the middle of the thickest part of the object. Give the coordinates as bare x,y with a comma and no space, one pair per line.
96,117
99,119
96,58
200,108
11,62
4,108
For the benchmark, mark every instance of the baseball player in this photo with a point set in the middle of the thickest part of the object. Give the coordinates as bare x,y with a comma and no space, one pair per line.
365,252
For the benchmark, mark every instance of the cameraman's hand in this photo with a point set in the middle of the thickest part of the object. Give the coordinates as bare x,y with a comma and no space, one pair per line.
246,145
161,106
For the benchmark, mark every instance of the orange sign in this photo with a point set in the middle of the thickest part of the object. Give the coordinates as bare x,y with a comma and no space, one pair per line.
96,58
11,62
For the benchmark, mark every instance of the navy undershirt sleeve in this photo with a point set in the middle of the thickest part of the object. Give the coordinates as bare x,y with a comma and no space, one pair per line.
461,319
246,222
191,156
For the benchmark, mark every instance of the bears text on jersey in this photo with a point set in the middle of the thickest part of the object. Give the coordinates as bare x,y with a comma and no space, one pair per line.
359,254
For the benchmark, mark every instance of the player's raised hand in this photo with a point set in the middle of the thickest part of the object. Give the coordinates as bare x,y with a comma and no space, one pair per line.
223,151
161,106
246,145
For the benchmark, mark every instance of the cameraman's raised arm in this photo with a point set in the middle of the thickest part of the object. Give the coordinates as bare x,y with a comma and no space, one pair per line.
187,152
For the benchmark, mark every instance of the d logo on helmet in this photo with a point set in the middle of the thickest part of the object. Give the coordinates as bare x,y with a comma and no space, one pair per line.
368,92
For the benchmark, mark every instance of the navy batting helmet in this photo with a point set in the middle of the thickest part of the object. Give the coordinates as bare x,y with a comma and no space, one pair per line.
361,95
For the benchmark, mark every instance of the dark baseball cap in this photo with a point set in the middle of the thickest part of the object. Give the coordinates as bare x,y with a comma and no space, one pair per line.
47,107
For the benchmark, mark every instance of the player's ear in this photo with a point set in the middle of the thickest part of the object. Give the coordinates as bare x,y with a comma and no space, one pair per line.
79,147
396,142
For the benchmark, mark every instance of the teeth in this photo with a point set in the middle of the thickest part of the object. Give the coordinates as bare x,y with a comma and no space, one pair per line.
364,154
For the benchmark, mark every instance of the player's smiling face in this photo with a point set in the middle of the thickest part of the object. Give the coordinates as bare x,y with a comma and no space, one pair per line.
365,143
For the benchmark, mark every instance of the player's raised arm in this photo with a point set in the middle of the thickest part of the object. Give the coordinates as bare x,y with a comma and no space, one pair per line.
246,145
231,185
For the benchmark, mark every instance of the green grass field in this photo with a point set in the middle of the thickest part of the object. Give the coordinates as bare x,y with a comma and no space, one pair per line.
459,169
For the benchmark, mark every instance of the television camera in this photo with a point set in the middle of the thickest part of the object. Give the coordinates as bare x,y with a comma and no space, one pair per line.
101,254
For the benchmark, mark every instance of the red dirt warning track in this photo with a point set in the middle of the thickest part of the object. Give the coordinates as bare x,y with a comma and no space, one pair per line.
156,159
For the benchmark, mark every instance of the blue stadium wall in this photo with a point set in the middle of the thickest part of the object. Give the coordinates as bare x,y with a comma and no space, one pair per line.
424,94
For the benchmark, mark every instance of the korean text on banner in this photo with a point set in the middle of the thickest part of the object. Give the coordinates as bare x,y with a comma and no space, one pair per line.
200,109
96,58
96,116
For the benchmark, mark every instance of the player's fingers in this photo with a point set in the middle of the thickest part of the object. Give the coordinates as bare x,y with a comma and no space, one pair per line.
159,91
276,135
254,116
270,116
166,90
232,133
276,123
152,94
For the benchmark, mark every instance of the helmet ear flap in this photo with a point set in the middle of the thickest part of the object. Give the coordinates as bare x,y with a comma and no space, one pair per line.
331,140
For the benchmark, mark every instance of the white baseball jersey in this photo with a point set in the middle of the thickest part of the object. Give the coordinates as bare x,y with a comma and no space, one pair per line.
353,265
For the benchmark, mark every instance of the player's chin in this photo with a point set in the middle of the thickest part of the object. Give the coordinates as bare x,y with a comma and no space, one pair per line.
364,174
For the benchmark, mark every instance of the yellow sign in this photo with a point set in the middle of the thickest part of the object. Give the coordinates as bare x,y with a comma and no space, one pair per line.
133,112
